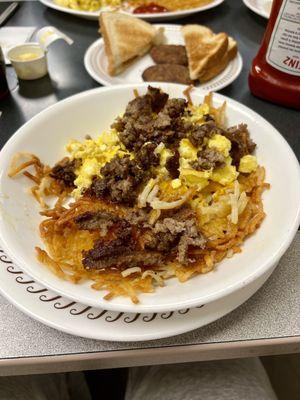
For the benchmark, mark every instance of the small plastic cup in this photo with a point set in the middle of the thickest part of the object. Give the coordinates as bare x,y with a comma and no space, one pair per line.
29,61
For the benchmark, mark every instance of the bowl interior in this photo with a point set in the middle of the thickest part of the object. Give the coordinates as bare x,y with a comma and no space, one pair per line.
91,113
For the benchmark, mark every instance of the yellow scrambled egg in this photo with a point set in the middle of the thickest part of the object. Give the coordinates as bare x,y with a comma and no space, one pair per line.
248,164
176,183
197,113
220,143
164,154
87,5
200,179
93,154
188,175
225,175
187,151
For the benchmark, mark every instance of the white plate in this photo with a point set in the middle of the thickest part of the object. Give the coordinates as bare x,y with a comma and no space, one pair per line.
90,113
167,16
77,319
95,62
260,7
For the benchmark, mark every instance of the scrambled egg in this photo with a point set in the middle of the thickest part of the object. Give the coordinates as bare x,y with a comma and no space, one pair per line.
165,154
190,176
220,143
87,5
193,178
93,154
200,179
187,151
176,183
248,164
225,175
113,3
197,113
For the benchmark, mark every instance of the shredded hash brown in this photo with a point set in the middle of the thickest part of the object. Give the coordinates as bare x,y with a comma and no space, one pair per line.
65,243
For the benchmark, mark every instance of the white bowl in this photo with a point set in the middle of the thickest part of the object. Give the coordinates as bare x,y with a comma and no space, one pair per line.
92,112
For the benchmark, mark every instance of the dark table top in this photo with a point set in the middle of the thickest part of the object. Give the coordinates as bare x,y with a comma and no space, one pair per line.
68,75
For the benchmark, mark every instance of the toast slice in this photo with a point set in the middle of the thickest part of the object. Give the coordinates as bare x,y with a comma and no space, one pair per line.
232,48
223,62
204,49
215,69
126,38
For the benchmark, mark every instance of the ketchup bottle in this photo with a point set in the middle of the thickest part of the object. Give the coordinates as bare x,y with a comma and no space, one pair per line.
275,72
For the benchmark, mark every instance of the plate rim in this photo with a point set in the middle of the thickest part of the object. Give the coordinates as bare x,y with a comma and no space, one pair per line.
94,15
48,321
99,42
196,300
256,10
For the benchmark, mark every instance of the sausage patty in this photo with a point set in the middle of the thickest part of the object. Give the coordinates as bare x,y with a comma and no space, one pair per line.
167,73
169,54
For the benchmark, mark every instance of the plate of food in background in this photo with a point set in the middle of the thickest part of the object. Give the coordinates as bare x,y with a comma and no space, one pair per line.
260,7
154,10
133,51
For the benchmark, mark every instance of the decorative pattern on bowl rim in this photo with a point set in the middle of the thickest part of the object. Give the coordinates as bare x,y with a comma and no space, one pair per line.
61,303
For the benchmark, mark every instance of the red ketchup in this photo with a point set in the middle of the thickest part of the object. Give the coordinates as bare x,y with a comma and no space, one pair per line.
149,8
275,72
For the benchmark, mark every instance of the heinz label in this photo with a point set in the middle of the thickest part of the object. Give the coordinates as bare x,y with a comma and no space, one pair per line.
284,47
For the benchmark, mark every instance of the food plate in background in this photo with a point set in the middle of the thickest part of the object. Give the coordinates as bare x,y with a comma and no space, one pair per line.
77,319
91,113
165,16
95,62
260,7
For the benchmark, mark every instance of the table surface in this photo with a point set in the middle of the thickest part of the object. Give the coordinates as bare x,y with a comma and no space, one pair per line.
268,323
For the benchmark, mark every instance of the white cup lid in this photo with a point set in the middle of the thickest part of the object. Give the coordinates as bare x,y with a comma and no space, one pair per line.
49,34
